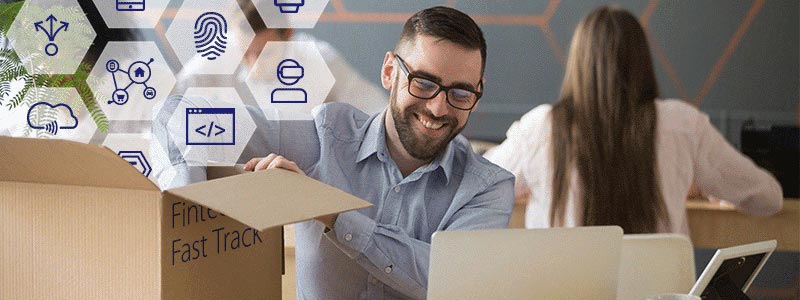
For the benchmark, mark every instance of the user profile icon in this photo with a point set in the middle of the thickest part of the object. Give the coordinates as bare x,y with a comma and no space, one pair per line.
289,73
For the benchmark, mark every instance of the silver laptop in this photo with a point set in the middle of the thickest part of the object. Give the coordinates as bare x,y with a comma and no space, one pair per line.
553,264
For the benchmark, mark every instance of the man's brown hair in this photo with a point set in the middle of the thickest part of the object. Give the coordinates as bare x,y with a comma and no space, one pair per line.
447,24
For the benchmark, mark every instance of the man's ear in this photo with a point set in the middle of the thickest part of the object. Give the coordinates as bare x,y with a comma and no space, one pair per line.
387,71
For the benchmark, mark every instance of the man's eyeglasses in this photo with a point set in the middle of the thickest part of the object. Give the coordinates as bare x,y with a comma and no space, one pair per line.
424,88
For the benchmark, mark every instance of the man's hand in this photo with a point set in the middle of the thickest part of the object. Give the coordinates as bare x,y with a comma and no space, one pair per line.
274,161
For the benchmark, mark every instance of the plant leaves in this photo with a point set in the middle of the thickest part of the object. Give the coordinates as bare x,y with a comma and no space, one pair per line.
8,11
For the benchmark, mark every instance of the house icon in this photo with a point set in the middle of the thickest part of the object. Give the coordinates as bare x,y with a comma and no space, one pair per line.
139,72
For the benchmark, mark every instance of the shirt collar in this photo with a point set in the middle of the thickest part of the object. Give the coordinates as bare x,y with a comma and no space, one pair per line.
446,161
374,142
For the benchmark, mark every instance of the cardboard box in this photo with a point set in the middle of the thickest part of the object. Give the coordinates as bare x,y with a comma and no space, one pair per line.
79,222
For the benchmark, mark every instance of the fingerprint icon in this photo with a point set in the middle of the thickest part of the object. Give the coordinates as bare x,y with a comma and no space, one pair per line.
210,35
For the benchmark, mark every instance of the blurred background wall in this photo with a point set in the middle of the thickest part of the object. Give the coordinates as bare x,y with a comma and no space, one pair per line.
735,60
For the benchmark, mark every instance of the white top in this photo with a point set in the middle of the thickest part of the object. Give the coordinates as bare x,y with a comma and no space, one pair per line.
689,150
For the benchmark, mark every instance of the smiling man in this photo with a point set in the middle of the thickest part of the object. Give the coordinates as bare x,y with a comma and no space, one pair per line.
409,161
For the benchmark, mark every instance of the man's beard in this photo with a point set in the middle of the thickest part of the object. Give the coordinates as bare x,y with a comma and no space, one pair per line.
417,144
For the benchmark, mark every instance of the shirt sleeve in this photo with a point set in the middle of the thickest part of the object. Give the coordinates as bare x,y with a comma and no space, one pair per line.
508,155
294,138
514,154
401,261
721,171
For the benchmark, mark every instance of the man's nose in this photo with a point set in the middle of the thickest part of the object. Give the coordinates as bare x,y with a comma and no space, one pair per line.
438,105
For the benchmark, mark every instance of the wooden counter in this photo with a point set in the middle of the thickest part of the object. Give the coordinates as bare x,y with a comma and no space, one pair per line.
517,216
715,225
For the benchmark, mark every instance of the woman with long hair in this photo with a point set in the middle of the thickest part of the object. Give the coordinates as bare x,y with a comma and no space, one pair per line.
609,152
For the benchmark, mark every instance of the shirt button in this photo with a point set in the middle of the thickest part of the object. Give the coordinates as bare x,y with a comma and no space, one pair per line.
388,270
397,189
348,237
373,281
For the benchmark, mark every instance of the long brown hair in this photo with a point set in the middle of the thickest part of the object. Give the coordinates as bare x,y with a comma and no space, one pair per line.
604,126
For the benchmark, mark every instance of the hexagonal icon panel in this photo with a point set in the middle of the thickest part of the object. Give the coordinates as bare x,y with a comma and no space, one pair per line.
211,36
133,148
57,113
131,13
52,35
210,126
291,77
129,78
290,13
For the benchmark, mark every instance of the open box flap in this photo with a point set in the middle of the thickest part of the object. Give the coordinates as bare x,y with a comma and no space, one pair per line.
269,198
51,161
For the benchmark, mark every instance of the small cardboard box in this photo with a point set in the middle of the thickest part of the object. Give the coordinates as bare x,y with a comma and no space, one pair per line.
79,222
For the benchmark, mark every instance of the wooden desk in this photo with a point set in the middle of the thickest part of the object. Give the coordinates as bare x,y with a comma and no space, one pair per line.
715,225
289,280
517,216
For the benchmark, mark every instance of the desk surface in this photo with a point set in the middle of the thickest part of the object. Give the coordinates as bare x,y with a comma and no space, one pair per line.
716,225
713,225
789,205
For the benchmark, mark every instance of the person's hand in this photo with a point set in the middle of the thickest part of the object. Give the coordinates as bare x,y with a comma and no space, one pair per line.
272,161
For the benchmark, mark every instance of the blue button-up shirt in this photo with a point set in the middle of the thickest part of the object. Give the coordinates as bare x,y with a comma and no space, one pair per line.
380,252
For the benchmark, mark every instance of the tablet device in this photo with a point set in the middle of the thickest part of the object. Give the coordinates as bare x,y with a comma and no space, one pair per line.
731,271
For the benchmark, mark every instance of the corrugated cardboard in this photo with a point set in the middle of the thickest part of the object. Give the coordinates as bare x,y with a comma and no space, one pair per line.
78,222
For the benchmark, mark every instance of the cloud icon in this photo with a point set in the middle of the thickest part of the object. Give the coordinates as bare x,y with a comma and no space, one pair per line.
43,115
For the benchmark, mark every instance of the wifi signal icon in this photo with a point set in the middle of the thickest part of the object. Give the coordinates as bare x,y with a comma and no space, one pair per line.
210,35
51,127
